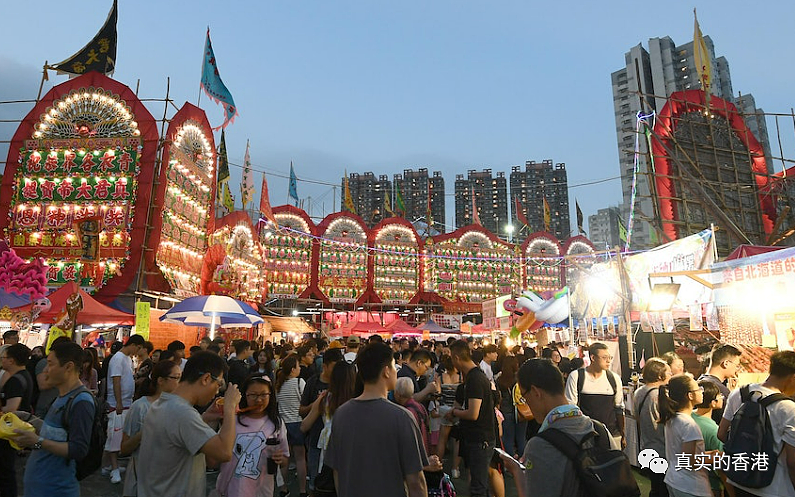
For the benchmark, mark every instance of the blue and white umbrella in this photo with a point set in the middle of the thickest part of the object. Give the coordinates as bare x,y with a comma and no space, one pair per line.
211,311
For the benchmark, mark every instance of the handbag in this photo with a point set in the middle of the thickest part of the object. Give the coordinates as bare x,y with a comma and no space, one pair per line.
523,412
324,483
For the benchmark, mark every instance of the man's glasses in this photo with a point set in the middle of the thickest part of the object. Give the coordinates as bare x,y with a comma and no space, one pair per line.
216,379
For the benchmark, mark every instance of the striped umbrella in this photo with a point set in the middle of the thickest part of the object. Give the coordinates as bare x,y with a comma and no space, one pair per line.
211,311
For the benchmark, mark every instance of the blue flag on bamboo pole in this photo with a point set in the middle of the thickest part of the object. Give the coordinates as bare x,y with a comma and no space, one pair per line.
214,87
292,190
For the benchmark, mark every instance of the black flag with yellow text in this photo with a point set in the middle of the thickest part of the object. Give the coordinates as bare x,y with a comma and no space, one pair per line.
98,55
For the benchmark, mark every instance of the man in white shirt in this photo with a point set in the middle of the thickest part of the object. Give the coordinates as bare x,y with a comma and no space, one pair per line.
121,387
598,391
489,356
352,349
782,422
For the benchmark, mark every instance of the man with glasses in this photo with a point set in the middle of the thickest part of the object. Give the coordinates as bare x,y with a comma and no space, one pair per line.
723,367
176,439
546,470
418,365
597,391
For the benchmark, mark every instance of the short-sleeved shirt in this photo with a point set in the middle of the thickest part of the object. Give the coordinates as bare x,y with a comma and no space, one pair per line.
374,445
19,385
134,421
782,422
679,430
46,397
47,474
406,372
314,387
289,396
169,460
709,430
717,414
477,386
121,366
246,475
422,418
595,386
652,433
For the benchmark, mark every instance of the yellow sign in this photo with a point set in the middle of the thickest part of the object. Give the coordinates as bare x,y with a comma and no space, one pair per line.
142,319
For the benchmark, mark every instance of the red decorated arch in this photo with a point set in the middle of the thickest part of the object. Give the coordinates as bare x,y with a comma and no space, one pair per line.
394,269
289,254
693,101
541,254
184,204
129,253
470,265
343,259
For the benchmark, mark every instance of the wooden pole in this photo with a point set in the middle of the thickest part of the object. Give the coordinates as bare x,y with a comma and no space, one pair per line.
44,78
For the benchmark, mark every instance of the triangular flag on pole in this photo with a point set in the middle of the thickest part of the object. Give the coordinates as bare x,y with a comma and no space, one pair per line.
580,218
247,182
429,213
98,55
265,204
703,61
622,230
475,215
387,205
547,216
519,210
400,206
229,200
348,205
223,171
292,188
214,87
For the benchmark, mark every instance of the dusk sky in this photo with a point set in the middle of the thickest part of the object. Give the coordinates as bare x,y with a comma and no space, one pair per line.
384,86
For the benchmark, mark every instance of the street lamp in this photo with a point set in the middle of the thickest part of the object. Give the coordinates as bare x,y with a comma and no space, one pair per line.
509,231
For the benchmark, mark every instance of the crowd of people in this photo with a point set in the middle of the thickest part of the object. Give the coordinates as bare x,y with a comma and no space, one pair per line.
361,416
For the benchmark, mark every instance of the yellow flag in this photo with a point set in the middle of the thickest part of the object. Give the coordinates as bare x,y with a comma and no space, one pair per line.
547,215
229,200
387,205
348,199
703,61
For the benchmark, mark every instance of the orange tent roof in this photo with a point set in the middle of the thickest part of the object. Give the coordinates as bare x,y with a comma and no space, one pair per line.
93,312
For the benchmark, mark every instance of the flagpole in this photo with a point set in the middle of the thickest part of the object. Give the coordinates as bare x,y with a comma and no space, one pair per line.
44,78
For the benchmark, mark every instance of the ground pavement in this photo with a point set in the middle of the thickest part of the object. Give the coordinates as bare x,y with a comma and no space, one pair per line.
100,486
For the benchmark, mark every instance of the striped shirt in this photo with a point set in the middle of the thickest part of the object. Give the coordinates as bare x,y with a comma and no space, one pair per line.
289,397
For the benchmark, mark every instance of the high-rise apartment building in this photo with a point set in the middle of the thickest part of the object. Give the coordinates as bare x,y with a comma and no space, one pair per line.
368,193
603,229
539,181
491,200
416,187
648,78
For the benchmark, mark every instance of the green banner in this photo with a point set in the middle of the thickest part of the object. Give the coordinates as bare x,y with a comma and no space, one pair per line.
75,162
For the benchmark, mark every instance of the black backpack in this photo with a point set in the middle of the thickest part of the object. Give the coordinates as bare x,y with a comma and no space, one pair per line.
96,444
750,433
602,471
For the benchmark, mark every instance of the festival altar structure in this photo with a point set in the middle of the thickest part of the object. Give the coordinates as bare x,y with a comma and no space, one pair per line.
79,192
183,206
78,181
